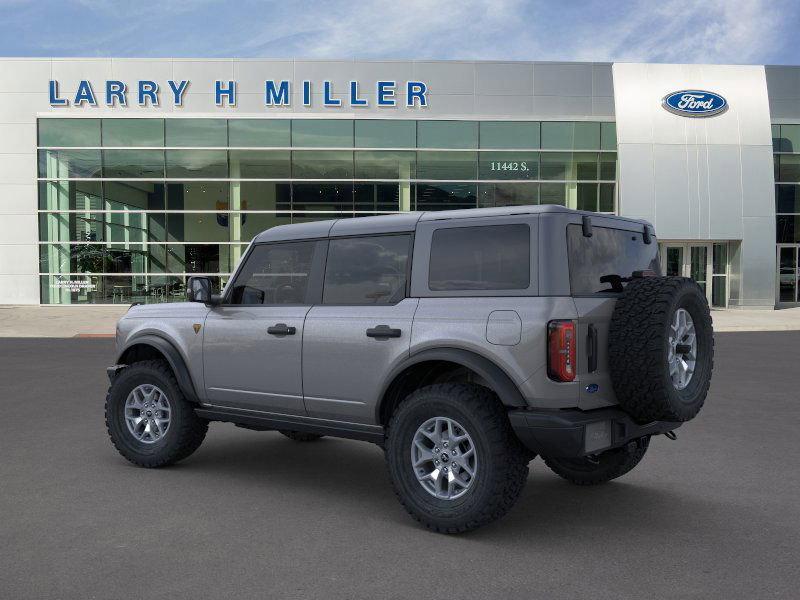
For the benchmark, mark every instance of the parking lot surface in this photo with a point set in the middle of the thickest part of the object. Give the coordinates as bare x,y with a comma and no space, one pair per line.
715,514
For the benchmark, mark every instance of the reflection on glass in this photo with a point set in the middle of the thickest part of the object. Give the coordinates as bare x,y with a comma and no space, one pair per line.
122,164
62,164
447,134
608,166
322,133
556,165
447,165
197,164
133,132
385,133
196,132
258,133
251,224
505,134
321,164
69,132
553,193
385,165
260,164
789,170
608,136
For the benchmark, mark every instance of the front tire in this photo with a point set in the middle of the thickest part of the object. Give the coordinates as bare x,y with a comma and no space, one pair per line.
149,420
603,467
445,424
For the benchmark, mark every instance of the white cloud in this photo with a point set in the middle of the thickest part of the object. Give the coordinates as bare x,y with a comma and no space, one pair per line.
713,31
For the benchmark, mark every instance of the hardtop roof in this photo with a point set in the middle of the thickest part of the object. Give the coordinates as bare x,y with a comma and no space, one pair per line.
406,222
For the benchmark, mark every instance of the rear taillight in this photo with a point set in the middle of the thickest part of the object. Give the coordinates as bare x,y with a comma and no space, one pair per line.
561,350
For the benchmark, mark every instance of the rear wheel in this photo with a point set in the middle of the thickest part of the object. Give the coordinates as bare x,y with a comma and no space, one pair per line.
299,436
149,420
600,468
453,458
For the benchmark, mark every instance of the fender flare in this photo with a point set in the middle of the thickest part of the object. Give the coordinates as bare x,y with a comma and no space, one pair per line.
174,358
497,378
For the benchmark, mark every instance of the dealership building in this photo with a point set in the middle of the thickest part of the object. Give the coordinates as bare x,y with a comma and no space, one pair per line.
121,177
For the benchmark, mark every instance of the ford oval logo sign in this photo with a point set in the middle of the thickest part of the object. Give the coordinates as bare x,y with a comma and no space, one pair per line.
695,103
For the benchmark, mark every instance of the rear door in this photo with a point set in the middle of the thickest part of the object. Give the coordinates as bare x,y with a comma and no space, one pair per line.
361,329
252,344
615,248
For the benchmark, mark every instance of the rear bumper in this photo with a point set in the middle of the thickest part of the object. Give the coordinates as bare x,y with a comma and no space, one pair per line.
573,433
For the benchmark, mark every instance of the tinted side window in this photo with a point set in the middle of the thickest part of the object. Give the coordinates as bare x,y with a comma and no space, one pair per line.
492,257
607,252
366,270
274,274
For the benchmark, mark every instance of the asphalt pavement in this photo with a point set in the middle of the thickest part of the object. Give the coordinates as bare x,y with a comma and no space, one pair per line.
715,514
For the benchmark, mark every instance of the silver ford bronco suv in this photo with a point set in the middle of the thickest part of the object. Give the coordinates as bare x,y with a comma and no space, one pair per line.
465,343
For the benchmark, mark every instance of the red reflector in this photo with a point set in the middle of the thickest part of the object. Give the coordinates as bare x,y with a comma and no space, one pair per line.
561,350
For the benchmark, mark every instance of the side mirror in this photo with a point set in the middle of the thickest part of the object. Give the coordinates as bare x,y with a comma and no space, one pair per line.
198,289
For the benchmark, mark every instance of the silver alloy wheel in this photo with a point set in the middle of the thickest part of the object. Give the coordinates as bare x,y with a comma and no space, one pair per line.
147,413
443,458
682,350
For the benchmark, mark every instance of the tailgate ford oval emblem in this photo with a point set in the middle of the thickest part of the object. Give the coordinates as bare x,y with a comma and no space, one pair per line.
694,103
592,388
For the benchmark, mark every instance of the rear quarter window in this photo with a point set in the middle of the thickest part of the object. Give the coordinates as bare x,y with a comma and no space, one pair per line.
487,257
607,252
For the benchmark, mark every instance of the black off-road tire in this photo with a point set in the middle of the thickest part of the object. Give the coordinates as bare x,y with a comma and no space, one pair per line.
502,467
601,468
186,430
299,436
638,342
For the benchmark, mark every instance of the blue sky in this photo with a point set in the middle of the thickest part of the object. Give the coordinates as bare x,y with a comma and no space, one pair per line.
690,31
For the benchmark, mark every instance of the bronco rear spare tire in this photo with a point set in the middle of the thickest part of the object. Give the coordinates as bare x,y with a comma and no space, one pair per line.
661,349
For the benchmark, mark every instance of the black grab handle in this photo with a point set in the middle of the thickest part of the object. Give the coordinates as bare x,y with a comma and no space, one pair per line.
281,329
383,331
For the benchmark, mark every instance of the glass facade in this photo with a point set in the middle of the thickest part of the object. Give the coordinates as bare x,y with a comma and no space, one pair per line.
128,208
786,152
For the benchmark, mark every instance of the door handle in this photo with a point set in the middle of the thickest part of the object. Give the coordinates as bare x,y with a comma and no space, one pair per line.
281,329
383,331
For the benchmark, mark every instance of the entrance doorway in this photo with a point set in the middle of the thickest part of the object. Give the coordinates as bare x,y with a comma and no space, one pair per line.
788,274
706,263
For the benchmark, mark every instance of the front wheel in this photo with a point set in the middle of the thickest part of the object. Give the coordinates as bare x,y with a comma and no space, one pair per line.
600,468
453,458
149,420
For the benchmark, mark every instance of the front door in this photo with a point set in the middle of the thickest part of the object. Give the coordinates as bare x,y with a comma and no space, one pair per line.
252,344
788,275
362,328
688,260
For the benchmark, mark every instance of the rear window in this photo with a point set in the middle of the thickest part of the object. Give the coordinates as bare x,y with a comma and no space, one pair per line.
491,257
607,252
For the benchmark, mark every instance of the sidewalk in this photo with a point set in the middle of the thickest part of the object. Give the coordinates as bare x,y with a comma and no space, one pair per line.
90,321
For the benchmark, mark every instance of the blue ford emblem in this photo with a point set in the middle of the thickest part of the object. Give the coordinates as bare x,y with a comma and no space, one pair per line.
592,388
695,103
